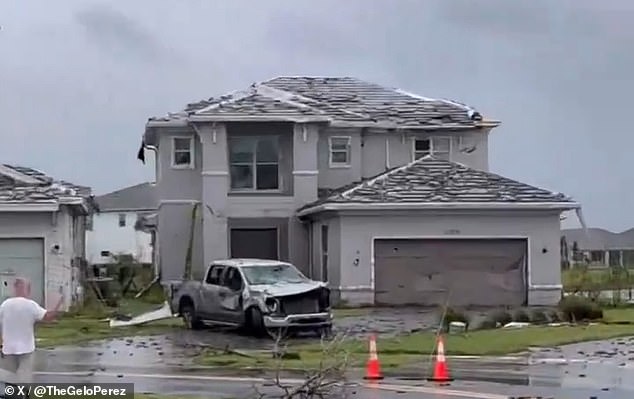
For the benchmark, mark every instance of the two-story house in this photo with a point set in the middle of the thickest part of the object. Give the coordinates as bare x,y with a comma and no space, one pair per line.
114,229
383,193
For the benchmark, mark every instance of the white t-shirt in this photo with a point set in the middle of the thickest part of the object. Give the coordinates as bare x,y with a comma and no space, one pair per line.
18,316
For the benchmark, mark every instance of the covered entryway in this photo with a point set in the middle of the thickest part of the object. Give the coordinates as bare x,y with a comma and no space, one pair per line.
22,257
254,243
478,272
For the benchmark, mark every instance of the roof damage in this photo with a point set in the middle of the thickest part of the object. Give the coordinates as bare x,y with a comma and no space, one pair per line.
434,181
22,185
335,100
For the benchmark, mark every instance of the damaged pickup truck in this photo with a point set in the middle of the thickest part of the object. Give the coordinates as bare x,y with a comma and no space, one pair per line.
264,297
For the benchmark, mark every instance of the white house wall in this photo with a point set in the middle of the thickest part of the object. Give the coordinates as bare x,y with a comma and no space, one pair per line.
358,232
56,230
106,235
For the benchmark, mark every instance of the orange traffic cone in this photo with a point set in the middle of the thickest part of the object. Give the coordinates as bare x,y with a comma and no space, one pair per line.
441,371
373,368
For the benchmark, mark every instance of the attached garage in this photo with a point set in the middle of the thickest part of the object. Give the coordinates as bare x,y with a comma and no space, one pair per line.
22,257
475,272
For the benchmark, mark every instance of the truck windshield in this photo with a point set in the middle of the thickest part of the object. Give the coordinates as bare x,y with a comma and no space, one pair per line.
258,275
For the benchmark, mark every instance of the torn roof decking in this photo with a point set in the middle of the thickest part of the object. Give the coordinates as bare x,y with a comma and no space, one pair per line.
435,181
19,184
332,99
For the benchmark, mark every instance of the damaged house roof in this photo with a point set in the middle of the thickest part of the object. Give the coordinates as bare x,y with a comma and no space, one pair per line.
434,181
140,197
332,100
22,185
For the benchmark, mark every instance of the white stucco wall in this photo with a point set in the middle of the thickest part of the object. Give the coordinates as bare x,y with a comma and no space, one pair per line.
358,232
107,235
55,229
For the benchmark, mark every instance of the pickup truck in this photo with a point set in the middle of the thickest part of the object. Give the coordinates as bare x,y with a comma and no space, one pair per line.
263,297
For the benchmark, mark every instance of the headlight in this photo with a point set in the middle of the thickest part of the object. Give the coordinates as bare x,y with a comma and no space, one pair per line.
272,304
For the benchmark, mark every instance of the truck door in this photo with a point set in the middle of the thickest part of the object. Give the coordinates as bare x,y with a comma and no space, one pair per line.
230,293
209,307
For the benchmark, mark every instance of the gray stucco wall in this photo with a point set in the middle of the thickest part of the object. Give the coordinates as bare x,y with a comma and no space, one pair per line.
358,232
373,151
305,167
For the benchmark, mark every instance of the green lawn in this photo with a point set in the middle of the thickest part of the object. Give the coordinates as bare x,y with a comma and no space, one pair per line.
401,351
583,279
92,324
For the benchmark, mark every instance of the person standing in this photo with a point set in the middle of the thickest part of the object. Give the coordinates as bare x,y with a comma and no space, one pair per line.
18,316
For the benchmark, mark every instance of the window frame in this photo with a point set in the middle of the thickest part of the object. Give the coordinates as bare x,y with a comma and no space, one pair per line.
222,268
337,165
123,220
432,151
254,165
192,161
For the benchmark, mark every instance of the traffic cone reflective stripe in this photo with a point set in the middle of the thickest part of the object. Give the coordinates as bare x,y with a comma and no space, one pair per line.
441,371
373,368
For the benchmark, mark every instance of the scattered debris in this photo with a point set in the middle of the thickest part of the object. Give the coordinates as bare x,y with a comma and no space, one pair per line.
160,314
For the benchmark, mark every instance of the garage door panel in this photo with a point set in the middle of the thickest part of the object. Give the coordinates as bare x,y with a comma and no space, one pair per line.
476,272
22,258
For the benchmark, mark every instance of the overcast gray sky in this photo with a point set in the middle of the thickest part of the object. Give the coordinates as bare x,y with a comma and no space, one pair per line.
78,79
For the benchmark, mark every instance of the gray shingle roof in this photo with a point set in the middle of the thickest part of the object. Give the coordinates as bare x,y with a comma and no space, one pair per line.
134,198
431,180
20,184
599,239
334,99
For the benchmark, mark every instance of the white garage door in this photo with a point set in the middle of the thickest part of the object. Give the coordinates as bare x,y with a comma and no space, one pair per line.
470,272
22,258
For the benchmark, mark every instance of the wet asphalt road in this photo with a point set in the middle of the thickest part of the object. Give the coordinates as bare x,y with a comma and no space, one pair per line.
163,364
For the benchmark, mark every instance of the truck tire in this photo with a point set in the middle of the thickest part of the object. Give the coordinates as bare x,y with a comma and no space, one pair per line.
255,322
188,313
257,327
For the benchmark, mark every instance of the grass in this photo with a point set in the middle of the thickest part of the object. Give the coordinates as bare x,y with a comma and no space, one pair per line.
91,324
584,279
413,348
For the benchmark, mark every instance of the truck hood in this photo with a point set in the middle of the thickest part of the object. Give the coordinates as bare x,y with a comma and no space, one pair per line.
285,289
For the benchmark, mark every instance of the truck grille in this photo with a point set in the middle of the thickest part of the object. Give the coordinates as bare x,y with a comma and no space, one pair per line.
300,305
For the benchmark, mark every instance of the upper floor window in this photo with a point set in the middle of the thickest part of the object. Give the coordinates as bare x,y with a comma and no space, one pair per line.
122,220
182,152
339,148
439,147
254,163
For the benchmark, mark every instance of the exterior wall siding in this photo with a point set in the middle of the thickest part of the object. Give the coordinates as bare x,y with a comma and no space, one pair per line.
358,232
106,235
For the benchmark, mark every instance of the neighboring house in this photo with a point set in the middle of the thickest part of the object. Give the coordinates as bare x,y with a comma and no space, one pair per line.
114,228
600,247
383,193
42,234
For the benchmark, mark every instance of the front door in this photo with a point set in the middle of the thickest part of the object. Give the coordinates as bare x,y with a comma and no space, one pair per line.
254,243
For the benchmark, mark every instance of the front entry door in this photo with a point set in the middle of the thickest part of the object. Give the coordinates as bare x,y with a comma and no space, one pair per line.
254,243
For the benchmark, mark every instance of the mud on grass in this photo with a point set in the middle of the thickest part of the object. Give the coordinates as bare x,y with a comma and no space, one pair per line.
414,348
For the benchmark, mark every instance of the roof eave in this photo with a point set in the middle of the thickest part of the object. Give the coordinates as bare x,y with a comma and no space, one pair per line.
166,123
256,118
51,206
538,206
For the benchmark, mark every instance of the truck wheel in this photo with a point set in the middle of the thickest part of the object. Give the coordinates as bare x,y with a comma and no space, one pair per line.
192,321
255,322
